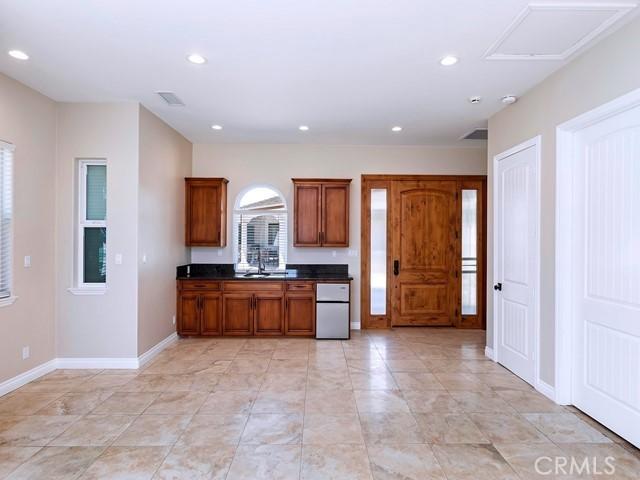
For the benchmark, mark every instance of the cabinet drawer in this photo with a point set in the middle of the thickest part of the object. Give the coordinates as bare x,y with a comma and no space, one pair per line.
300,286
198,285
248,286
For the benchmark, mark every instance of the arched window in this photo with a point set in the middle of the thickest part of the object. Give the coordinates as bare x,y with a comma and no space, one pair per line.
260,229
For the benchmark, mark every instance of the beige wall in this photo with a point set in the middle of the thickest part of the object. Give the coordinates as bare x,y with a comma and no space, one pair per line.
605,72
27,119
99,325
245,165
164,162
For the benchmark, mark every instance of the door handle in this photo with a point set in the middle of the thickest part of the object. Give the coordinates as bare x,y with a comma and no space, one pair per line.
396,267
497,287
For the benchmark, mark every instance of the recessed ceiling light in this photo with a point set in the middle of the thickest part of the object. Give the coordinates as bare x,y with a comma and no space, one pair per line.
303,128
216,127
197,59
396,129
509,99
19,54
448,61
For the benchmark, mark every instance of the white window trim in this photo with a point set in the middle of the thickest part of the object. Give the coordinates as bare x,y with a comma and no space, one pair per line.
6,301
82,288
10,300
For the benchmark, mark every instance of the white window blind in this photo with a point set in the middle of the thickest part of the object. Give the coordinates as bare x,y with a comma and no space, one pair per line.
260,230
6,219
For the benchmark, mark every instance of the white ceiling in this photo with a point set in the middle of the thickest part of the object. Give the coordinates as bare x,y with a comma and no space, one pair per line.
350,69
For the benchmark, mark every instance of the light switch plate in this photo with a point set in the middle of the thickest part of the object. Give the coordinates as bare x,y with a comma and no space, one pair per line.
27,261
118,259
26,352
353,253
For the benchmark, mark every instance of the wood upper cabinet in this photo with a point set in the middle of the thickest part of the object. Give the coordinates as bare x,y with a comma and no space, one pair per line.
321,212
300,313
206,212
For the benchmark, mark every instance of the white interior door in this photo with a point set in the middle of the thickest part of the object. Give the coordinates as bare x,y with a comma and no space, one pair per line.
606,292
517,258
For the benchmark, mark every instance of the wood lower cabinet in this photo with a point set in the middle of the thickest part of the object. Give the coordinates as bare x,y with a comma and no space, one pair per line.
246,308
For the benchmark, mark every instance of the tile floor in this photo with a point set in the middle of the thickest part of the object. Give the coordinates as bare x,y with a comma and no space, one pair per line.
403,404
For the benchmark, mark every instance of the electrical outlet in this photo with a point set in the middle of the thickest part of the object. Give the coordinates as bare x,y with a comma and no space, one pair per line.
27,261
219,252
334,254
26,352
352,253
118,259
174,320
144,258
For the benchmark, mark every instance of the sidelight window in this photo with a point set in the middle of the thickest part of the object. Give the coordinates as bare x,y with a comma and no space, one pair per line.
469,252
378,280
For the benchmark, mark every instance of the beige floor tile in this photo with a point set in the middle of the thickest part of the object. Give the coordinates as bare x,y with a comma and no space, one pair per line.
473,462
335,462
284,382
288,365
266,462
12,457
404,462
228,402
158,383
203,462
481,402
606,460
75,403
461,381
273,429
483,366
93,431
565,428
537,462
153,431
243,382
177,403
405,365
214,430
505,380
327,429
53,385
380,401
328,379
57,463
330,401
390,428
368,365
507,428
248,366
26,403
104,381
125,403
430,401
529,401
373,381
288,401
205,382
449,428
36,430
126,463
417,381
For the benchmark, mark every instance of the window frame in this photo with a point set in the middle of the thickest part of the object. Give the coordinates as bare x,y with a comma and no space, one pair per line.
9,298
82,223
282,214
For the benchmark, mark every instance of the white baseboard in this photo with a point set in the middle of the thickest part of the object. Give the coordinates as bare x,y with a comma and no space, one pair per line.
147,356
98,363
355,325
26,377
488,352
546,389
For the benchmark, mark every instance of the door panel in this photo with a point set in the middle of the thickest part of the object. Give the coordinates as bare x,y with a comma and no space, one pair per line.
237,314
211,323
204,213
307,215
335,220
300,314
516,261
188,313
269,314
425,219
606,296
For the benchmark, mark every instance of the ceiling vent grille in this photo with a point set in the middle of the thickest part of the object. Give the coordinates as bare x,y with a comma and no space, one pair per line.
171,98
477,134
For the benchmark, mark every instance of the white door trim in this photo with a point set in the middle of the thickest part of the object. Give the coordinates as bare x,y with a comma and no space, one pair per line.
565,161
535,142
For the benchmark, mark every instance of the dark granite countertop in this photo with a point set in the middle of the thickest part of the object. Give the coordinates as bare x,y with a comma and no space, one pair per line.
226,271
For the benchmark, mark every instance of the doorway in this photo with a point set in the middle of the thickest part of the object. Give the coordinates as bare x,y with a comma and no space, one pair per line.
517,259
423,251
598,265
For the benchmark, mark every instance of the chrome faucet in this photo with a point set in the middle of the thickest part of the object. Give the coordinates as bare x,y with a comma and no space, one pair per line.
261,265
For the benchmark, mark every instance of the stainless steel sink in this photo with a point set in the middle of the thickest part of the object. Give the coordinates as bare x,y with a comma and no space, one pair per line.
257,274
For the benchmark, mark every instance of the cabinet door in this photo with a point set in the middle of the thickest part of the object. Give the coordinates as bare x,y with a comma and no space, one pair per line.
206,212
269,314
335,215
188,313
211,309
237,314
300,316
307,215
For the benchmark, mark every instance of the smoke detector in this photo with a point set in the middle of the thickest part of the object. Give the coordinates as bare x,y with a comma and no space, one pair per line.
474,100
509,99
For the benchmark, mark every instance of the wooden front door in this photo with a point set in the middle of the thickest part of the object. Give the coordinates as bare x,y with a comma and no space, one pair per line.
425,260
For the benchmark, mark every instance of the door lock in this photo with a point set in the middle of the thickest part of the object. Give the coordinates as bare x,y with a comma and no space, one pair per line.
498,287
396,267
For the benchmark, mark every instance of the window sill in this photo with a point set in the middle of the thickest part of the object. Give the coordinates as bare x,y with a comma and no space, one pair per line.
87,291
5,302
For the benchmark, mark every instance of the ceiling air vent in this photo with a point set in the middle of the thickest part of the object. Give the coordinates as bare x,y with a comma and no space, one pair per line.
171,99
477,134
